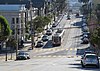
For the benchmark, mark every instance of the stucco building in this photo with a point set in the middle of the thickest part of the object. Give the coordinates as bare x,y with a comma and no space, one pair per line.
15,15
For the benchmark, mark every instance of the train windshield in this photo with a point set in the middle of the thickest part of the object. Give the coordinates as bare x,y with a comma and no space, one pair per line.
57,39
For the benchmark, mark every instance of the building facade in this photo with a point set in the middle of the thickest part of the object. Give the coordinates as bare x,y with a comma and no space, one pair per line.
15,15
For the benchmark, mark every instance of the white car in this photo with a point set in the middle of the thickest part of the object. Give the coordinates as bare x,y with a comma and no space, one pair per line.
90,60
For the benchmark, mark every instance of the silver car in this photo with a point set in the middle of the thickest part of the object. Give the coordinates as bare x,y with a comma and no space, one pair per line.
23,56
90,60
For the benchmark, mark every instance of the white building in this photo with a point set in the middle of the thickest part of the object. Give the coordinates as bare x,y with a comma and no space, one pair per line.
15,15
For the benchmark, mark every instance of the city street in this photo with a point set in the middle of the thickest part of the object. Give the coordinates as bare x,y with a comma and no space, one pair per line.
66,57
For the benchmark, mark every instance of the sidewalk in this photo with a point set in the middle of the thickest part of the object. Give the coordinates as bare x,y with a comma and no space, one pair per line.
97,50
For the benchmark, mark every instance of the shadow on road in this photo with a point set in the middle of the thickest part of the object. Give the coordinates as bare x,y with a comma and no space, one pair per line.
78,66
48,45
81,51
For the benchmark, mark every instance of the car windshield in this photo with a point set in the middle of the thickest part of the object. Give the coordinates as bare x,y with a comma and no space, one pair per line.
44,36
21,53
91,56
40,42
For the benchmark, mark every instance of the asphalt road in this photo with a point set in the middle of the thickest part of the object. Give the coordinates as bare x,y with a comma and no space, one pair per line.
45,64
62,58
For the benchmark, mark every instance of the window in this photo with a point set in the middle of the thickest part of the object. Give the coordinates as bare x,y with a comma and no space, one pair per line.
13,21
17,20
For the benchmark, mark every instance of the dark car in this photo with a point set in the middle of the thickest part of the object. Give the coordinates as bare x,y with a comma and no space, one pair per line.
54,25
77,15
86,33
49,32
68,18
40,43
45,38
88,52
22,56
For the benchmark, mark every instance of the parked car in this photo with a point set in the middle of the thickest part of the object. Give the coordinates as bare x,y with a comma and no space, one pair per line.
59,30
77,15
40,43
49,32
45,38
85,29
22,56
85,36
85,41
84,24
54,24
86,33
90,59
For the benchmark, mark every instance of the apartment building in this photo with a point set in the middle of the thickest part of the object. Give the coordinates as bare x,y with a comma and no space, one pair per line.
15,15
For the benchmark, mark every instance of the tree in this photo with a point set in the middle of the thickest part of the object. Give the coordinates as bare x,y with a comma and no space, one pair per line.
46,20
98,12
95,37
5,30
12,42
40,22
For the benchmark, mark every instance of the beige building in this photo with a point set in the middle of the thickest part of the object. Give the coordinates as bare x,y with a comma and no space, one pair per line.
15,15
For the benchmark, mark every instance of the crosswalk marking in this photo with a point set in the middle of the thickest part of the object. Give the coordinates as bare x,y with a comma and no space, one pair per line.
59,49
54,56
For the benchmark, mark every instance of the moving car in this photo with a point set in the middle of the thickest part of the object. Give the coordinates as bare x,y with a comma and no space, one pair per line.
45,38
40,43
22,56
90,60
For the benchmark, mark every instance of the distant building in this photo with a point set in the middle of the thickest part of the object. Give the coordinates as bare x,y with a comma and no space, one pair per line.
15,15
36,3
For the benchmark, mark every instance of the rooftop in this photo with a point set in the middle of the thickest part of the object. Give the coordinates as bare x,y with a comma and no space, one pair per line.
12,7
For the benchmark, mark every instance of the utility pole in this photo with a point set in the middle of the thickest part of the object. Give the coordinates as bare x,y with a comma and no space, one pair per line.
16,33
31,26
